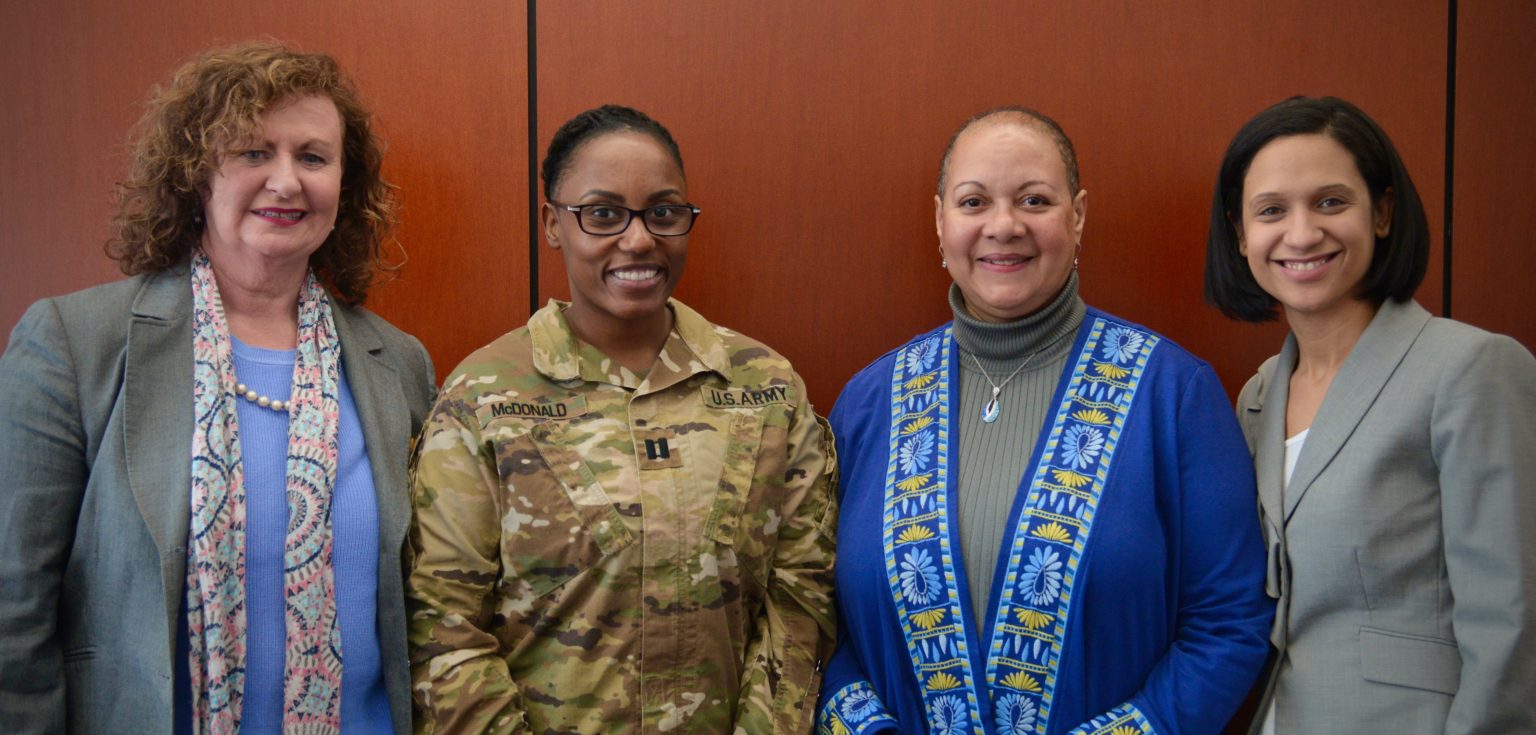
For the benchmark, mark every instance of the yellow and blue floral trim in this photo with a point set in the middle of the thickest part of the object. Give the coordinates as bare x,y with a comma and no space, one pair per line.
919,558
1054,524
851,711
1122,720
1047,547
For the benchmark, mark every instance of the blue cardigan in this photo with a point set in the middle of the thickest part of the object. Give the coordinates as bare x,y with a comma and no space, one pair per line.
1130,598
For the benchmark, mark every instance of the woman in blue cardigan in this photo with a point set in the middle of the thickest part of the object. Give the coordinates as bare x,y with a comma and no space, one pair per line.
1047,511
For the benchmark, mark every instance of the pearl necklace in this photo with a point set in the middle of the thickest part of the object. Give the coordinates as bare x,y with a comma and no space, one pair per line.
245,392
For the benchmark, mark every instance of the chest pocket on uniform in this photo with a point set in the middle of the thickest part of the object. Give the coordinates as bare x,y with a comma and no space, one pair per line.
744,516
557,520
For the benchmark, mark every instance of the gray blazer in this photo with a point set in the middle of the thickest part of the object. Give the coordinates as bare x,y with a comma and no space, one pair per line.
95,446
1403,552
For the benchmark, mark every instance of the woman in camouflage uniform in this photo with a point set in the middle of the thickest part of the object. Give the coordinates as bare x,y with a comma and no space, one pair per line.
624,519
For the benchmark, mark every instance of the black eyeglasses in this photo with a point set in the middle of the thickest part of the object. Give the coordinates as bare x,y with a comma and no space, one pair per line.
665,220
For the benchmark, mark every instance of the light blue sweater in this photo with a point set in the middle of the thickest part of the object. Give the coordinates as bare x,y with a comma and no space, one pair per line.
355,554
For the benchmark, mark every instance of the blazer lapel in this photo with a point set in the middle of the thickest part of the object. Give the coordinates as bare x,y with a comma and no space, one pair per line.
381,407
1359,382
1268,442
157,420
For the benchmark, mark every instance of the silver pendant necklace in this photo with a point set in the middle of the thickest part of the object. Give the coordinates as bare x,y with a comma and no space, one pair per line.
994,407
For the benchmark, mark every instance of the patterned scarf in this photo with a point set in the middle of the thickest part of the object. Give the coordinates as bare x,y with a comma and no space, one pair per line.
216,554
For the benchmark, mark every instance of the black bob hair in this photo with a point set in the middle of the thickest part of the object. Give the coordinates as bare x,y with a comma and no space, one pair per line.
1399,259
593,123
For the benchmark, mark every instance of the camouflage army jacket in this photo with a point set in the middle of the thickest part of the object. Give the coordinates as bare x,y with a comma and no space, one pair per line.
599,552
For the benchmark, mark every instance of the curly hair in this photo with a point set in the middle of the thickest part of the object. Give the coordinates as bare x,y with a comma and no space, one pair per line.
217,101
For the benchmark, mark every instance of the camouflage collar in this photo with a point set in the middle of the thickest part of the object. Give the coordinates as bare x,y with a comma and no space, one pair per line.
702,338
558,355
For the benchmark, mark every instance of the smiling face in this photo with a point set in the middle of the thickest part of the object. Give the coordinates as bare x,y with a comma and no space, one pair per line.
1309,227
273,200
1009,226
623,281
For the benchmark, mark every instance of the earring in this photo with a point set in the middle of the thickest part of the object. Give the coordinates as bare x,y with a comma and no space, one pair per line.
943,262
1074,262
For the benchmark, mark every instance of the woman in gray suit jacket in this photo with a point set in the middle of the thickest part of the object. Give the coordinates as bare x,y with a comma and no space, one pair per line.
1396,470
204,504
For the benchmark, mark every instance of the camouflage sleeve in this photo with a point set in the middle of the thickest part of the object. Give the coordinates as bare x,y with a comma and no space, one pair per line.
459,679
794,631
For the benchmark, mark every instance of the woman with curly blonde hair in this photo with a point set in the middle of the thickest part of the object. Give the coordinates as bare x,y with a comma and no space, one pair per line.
206,503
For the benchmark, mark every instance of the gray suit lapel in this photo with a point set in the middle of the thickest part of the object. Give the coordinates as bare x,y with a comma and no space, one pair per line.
1269,441
382,408
157,420
1359,382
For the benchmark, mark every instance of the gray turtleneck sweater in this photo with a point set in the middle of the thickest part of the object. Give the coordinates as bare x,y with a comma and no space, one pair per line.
993,457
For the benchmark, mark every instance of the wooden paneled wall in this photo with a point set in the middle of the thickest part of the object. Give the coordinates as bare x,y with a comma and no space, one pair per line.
1493,248
811,132
446,82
